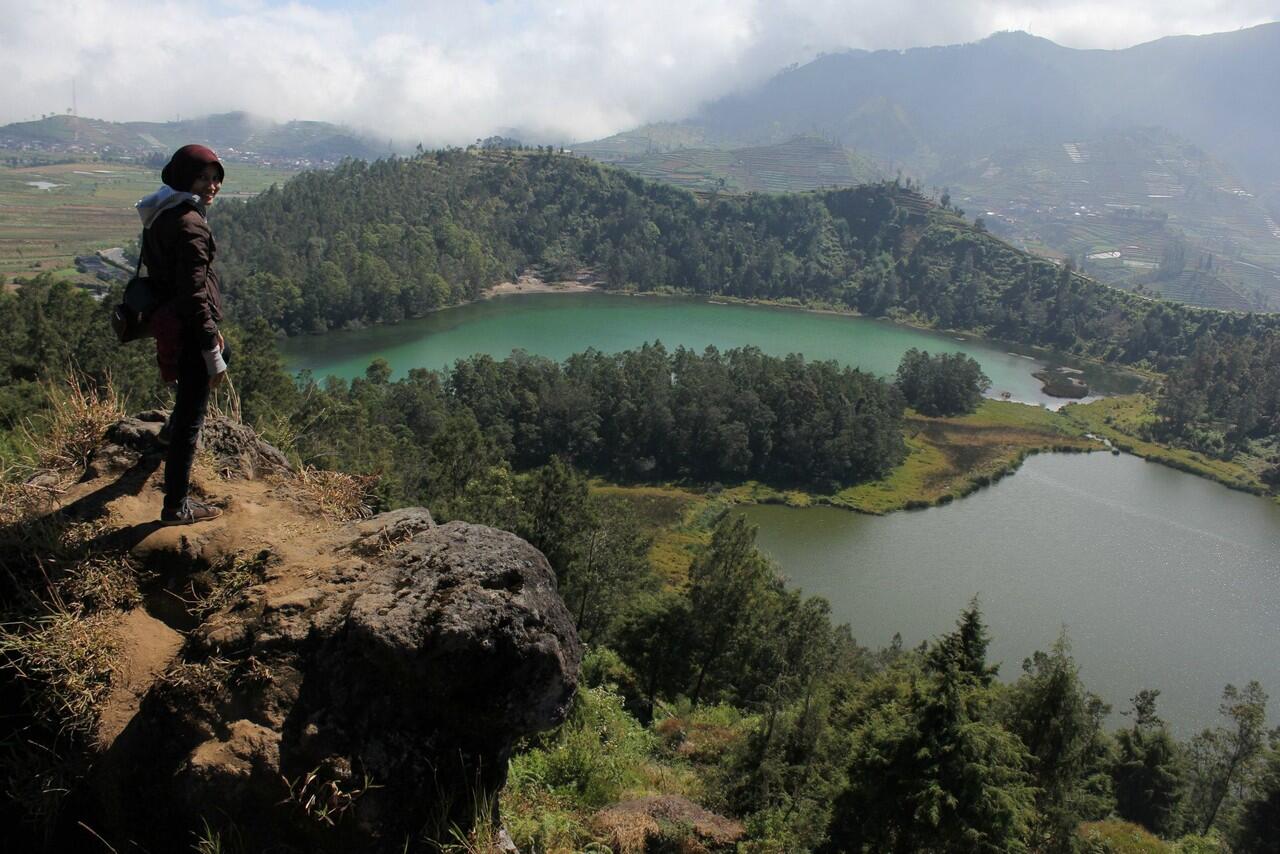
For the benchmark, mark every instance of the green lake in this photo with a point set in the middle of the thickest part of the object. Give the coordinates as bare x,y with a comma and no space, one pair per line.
557,325
1163,580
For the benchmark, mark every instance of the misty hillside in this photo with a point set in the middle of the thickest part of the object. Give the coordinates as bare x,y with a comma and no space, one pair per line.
922,107
1184,132
236,135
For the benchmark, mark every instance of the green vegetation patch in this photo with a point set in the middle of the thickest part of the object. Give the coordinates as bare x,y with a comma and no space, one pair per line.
669,514
947,458
1125,419
950,457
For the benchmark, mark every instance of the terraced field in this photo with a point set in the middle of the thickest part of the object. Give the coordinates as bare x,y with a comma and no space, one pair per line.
51,213
1137,208
804,163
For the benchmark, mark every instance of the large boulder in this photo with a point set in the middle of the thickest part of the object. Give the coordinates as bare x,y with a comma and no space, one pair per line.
363,692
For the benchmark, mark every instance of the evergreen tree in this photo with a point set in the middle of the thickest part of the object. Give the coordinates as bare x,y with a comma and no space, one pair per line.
932,770
1149,771
1223,759
1061,725
965,649
726,582
1259,826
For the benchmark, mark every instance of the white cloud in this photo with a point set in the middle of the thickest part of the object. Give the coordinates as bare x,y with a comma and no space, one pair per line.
452,70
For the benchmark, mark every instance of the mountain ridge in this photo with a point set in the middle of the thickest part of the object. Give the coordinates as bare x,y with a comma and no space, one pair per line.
238,135
939,114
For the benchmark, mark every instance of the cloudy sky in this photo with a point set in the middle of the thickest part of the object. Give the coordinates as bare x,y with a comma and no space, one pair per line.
452,70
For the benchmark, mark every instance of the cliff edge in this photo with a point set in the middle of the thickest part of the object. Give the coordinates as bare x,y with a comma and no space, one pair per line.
300,681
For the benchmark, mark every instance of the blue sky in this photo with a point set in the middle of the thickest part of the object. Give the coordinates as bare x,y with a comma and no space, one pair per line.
449,71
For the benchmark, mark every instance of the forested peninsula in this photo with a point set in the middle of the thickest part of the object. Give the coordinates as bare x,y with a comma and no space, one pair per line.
370,243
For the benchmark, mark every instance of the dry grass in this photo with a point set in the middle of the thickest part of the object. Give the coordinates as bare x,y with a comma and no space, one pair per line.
101,582
67,660
337,496
47,561
66,435
323,799
34,778
20,501
225,401
628,833
214,589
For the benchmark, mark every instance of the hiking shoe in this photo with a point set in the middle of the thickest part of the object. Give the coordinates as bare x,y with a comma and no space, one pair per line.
189,513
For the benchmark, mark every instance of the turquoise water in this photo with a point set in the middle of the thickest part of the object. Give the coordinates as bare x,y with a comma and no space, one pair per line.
557,325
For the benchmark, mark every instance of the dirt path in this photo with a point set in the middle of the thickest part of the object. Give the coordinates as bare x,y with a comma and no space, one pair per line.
267,520
147,647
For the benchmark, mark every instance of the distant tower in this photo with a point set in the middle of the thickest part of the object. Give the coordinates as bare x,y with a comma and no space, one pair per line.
75,116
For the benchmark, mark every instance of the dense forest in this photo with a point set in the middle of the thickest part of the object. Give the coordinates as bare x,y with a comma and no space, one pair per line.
944,384
378,242
382,241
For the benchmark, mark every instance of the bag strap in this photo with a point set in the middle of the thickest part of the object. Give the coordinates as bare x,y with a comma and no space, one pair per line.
142,247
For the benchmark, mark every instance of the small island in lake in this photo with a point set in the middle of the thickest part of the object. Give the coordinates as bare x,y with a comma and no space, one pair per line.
1062,382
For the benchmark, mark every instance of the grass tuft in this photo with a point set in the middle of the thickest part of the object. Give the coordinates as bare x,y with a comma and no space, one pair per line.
34,778
69,431
67,660
337,496
217,587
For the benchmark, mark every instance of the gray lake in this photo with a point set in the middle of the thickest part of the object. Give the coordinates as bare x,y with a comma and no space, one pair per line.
1162,580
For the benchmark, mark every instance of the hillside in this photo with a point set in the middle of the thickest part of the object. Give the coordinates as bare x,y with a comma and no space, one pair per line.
946,115
379,242
289,678
1134,208
802,163
394,239
237,136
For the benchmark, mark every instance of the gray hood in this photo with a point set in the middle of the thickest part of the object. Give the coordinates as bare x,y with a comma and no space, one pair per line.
161,200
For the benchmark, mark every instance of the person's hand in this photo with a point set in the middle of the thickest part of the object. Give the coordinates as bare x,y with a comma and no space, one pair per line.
214,359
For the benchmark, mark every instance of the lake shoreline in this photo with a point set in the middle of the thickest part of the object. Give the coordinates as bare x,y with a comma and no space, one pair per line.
531,284
585,281
1125,433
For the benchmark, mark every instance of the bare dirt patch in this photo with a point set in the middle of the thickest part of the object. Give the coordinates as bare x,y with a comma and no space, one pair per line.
532,283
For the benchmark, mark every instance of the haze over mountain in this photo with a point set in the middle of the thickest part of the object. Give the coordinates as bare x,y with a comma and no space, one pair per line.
925,107
447,72
238,136
1184,130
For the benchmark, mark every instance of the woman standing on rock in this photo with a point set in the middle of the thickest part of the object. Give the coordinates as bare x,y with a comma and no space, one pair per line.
177,250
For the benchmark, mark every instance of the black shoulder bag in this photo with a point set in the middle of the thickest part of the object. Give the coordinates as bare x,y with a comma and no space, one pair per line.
131,319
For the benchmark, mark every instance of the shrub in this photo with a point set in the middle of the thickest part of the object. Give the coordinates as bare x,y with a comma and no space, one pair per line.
594,757
1119,837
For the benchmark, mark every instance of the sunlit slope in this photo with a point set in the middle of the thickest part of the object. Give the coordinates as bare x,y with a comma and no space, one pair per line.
1183,133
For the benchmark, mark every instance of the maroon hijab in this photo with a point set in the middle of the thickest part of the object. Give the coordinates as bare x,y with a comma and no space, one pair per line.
186,164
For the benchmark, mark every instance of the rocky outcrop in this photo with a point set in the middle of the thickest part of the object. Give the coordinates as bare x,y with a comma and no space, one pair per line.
342,687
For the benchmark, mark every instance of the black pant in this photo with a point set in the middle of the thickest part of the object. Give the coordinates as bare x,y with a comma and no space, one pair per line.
184,424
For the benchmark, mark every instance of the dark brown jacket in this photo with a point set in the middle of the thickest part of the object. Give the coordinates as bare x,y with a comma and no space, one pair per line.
178,249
